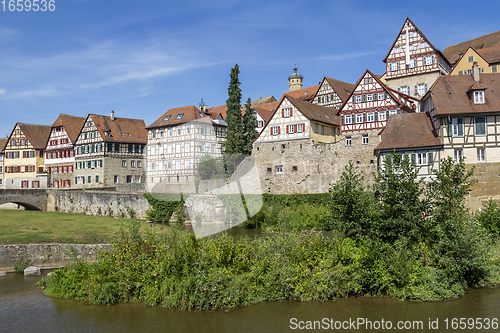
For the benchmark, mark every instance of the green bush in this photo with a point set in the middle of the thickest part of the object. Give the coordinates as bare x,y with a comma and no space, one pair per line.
20,265
489,217
163,205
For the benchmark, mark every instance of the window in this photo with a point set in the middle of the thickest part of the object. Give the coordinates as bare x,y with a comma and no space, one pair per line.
187,164
177,147
24,184
89,179
294,168
137,179
129,179
348,141
479,97
494,69
358,99
333,131
286,112
300,127
139,164
322,130
178,165
152,166
429,60
393,66
369,97
187,147
381,96
480,125
460,72
396,50
381,116
169,132
275,130
132,164
169,149
279,169
124,163
423,45
370,117
422,159
291,128
421,89
405,90
458,155
412,63
480,155
202,147
315,128
348,119
169,165
187,130
115,179
457,127
365,139
470,58
260,124
97,178
167,117
179,116
359,118
269,170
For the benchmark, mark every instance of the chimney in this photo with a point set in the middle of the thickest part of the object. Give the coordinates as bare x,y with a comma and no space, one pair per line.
112,115
475,72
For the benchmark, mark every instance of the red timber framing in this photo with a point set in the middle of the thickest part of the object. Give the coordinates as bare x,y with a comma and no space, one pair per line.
371,103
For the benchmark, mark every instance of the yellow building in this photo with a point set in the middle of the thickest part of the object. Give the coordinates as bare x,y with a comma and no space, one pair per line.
23,156
2,146
488,60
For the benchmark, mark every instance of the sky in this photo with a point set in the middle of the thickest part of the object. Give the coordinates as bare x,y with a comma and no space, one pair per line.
142,58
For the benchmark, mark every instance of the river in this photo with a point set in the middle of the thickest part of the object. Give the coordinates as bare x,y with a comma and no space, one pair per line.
24,307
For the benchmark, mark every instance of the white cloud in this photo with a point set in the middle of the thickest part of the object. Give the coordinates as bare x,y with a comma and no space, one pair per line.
3,91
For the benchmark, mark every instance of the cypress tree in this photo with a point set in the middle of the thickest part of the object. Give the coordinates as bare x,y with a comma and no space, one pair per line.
249,125
234,142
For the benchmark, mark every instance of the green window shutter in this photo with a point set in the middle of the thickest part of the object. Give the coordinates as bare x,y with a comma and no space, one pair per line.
342,120
450,128
430,157
130,148
89,179
374,96
353,118
460,126
363,98
76,180
353,99
494,69
83,180
387,115
100,163
364,117
92,148
110,147
142,149
399,111
413,159
376,116
117,147
97,178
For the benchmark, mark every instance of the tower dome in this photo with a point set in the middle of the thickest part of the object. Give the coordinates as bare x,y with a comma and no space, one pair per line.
295,80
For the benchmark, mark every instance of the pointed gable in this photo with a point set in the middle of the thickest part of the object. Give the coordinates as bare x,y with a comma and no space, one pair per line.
71,124
454,52
37,135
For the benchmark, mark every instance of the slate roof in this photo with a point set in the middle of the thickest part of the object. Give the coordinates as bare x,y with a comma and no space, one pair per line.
72,125
408,130
449,94
120,129
38,135
343,89
3,142
453,52
315,112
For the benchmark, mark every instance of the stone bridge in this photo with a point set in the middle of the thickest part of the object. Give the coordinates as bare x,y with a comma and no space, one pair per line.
31,199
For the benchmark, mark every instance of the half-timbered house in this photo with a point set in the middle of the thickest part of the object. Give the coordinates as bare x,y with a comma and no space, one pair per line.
110,152
3,142
465,111
332,93
24,158
413,63
488,60
412,136
60,153
365,112
177,141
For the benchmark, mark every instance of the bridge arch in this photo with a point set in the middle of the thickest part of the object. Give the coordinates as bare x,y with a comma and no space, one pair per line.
30,199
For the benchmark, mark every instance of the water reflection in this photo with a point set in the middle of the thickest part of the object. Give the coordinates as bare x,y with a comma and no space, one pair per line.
23,307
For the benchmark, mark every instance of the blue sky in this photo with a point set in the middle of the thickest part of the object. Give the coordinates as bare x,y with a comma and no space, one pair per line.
141,58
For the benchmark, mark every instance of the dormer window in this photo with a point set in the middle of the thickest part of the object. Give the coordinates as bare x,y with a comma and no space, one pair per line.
479,97
167,117
179,116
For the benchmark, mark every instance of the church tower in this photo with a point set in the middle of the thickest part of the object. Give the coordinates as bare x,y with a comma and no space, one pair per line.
295,80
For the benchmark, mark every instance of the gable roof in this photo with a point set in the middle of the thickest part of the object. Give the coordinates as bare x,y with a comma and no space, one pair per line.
264,100
396,95
38,135
72,125
264,113
408,20
408,130
314,112
490,54
453,52
3,142
305,94
190,113
120,129
341,88
450,94
218,110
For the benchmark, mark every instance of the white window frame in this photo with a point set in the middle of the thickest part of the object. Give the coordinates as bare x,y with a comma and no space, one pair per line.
381,116
429,60
481,154
275,130
187,147
187,163
348,120
359,118
358,98
370,117
421,159
300,128
380,96
455,127
178,165
479,97
286,112
279,168
369,98
365,139
291,129
202,147
348,141
458,155
394,66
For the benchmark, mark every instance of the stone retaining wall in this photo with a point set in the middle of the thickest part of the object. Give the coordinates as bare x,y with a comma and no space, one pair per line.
47,256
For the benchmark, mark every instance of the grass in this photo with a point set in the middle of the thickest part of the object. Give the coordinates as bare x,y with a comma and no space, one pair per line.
18,226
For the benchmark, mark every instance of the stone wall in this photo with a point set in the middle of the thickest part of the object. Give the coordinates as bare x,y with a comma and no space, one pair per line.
97,202
47,256
488,185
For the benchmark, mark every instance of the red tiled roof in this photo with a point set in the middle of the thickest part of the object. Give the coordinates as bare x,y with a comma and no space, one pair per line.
343,89
72,125
3,142
305,94
264,113
315,112
449,94
218,110
190,113
453,53
408,130
490,54
271,107
123,130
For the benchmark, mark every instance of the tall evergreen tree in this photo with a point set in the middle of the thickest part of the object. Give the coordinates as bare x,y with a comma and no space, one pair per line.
234,142
249,125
